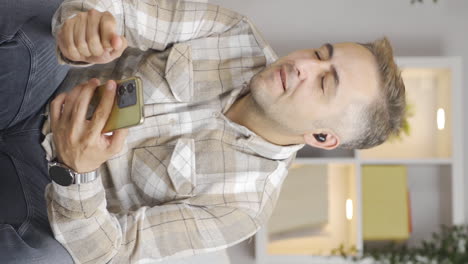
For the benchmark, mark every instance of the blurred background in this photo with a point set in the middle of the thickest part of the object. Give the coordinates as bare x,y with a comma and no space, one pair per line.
343,202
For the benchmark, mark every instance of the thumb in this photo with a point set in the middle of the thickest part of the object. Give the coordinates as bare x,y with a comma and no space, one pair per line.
107,30
116,42
118,52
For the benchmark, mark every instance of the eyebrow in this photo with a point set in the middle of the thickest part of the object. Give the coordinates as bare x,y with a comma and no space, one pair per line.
330,52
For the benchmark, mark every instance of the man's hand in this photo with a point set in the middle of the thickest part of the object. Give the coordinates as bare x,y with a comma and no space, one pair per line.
90,37
80,143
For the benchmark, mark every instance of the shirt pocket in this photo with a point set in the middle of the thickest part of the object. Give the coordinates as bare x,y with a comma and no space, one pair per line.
167,75
165,173
179,72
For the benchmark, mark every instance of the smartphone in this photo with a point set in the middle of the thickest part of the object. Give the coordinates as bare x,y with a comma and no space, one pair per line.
127,110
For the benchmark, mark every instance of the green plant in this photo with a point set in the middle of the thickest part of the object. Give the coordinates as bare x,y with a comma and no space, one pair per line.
344,252
447,246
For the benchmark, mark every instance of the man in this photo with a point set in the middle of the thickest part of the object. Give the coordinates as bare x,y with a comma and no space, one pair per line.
223,120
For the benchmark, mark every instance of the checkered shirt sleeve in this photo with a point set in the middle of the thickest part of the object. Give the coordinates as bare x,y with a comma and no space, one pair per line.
154,24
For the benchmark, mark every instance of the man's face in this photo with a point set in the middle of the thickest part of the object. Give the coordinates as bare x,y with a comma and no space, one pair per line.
315,85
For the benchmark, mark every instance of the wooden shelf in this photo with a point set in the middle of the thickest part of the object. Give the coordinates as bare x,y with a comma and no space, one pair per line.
323,161
406,162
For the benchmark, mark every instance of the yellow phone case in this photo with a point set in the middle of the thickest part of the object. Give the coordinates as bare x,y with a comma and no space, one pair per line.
121,117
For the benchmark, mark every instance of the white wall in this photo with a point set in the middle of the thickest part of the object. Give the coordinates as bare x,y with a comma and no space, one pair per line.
415,30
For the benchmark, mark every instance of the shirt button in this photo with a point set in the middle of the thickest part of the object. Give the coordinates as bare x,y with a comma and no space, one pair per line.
214,114
172,121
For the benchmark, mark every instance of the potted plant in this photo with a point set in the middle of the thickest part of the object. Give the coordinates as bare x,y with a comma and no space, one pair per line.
447,246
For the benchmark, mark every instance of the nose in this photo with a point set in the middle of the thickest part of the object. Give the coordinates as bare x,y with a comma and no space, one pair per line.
312,67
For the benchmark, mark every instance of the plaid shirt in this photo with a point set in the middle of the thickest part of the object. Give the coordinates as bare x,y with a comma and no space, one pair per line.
188,180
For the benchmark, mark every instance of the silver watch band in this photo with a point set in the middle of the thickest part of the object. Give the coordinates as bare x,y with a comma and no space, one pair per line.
85,177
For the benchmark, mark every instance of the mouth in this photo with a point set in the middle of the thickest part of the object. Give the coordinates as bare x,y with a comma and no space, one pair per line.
283,78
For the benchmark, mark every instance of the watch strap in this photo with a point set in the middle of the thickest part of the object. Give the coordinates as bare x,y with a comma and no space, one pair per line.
85,177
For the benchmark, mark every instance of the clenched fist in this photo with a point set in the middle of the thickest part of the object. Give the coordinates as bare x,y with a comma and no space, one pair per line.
91,37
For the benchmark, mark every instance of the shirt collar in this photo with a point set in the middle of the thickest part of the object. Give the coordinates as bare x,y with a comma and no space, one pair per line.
260,146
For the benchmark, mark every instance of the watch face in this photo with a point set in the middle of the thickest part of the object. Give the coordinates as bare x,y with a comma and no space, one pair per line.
60,175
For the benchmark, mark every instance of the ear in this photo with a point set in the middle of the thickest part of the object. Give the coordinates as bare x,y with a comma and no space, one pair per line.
331,141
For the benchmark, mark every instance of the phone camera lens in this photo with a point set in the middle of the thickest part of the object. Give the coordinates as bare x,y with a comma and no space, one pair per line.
130,87
121,90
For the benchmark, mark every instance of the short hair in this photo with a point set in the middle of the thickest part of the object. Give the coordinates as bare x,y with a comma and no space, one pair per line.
383,117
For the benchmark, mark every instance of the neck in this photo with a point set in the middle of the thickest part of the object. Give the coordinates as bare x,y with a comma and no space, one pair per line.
245,113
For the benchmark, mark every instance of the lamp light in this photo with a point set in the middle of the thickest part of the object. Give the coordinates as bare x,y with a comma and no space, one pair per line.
440,118
349,209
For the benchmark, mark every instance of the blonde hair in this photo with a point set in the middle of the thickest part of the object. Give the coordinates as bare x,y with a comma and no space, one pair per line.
384,116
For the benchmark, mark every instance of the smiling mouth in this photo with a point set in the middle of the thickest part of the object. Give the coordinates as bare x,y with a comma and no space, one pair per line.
283,78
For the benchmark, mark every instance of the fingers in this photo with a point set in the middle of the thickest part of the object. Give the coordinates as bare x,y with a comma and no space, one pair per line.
80,35
56,110
69,105
81,104
117,140
91,37
107,29
66,36
104,108
92,33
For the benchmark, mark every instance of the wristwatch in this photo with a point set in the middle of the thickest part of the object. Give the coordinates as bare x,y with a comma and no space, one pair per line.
65,176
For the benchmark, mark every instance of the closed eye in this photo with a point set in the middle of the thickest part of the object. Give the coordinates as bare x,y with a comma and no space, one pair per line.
318,55
323,77
323,89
